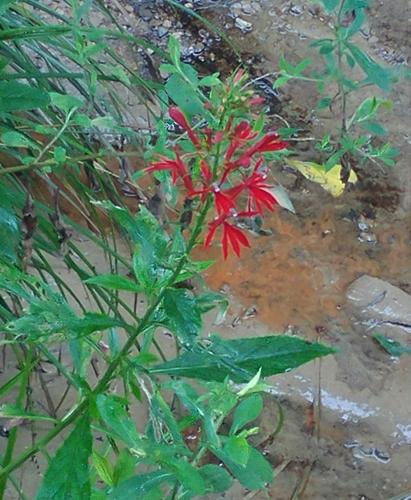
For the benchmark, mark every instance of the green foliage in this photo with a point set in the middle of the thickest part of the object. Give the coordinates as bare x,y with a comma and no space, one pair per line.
358,138
240,359
117,362
68,473
393,347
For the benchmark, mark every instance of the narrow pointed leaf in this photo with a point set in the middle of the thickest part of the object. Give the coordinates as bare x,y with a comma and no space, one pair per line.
240,359
68,473
139,486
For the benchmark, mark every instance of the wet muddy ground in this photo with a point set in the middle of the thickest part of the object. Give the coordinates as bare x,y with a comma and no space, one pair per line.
347,430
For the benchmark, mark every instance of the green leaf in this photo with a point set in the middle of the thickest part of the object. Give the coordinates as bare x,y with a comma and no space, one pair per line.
65,102
12,411
5,4
374,127
210,80
125,466
217,479
16,96
240,359
189,476
104,468
255,474
9,233
16,140
281,195
393,347
68,473
237,450
247,411
330,5
114,282
280,81
325,102
376,74
118,422
182,313
183,94
60,154
139,486
174,50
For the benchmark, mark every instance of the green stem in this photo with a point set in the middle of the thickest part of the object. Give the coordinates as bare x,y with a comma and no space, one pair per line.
13,433
104,381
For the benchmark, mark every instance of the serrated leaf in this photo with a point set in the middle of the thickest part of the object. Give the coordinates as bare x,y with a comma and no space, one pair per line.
68,473
114,282
247,411
16,96
139,486
118,422
182,313
240,359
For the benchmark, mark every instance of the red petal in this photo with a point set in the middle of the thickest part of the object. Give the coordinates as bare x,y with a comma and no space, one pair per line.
211,233
178,116
241,237
236,237
224,203
264,196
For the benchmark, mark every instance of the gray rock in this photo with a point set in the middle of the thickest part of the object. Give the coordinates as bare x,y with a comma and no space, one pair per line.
377,303
243,25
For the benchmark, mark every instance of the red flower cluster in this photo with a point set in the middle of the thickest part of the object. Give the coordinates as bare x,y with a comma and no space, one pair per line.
240,152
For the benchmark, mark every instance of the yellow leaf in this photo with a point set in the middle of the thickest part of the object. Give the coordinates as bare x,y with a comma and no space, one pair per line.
330,181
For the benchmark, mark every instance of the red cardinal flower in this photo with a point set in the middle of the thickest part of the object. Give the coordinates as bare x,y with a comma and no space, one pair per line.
224,203
242,134
177,168
259,196
232,236
178,116
270,142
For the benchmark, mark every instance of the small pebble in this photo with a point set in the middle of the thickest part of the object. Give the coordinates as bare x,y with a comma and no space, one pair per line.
243,25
